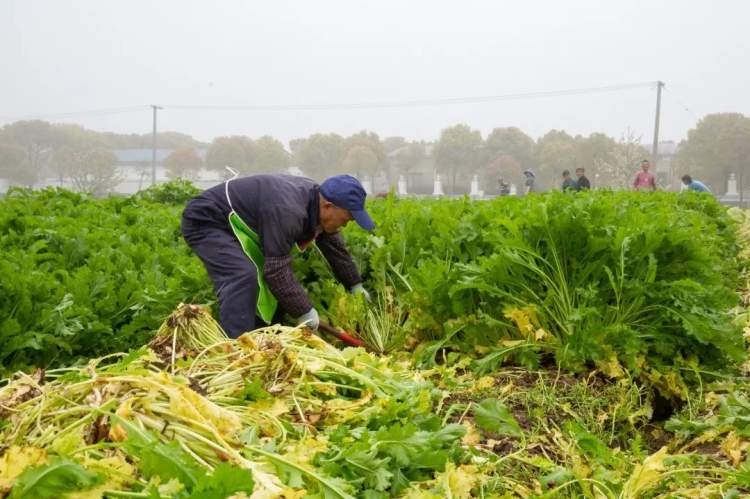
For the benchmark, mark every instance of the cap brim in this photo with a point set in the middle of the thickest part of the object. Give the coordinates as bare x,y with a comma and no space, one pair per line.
363,219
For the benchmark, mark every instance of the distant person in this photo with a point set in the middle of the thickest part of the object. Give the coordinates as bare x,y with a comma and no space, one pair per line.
568,183
504,187
644,180
694,185
528,184
582,183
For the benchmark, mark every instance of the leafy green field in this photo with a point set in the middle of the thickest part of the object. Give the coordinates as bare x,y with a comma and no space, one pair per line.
614,281
563,345
81,277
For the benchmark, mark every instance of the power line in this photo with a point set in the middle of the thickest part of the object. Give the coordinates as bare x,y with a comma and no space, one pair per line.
344,106
92,112
410,103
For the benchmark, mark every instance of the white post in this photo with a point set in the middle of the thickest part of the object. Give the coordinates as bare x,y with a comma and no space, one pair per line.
437,189
474,192
367,184
513,190
732,186
402,185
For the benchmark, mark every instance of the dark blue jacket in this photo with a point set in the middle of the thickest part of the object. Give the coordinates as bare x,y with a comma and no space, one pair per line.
283,210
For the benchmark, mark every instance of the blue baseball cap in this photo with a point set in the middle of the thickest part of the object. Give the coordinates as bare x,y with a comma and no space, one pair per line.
346,192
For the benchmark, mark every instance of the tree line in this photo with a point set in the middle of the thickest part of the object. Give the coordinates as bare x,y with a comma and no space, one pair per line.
717,146
32,149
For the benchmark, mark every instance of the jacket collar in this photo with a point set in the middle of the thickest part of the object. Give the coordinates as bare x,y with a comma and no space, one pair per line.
313,213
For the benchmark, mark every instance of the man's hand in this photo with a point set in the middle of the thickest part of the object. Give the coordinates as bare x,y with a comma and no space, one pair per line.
310,319
359,289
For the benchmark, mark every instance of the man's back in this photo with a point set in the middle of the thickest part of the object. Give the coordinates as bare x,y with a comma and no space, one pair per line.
569,185
280,208
698,186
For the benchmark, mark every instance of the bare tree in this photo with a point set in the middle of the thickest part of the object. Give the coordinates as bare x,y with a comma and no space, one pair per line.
623,162
94,171
183,163
503,167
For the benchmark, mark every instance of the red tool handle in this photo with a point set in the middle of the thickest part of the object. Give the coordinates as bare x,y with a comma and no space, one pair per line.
345,337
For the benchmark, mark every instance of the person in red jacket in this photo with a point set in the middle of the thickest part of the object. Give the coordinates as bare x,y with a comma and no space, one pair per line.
644,180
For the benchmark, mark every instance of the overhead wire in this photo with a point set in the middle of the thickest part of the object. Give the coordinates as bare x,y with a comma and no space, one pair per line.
92,112
344,105
409,103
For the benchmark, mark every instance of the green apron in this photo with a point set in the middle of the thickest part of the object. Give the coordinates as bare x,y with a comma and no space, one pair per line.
250,243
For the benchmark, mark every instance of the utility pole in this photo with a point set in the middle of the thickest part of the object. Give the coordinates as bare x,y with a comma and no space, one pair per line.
655,147
153,148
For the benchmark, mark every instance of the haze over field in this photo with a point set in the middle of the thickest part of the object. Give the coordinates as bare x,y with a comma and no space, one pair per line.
66,57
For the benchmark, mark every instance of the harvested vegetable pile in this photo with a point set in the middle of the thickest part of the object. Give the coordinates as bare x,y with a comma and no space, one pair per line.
272,414
280,413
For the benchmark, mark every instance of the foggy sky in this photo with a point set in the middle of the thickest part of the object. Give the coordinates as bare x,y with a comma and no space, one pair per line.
70,56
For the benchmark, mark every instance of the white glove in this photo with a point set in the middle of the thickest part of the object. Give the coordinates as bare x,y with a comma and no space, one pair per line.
359,289
310,319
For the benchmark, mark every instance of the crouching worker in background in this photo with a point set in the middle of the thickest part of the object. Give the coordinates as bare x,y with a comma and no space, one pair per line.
246,230
694,185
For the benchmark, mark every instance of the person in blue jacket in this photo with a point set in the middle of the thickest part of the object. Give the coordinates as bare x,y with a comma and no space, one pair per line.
695,185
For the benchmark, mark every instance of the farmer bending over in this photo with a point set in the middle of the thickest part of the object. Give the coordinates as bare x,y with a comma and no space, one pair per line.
694,185
247,229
